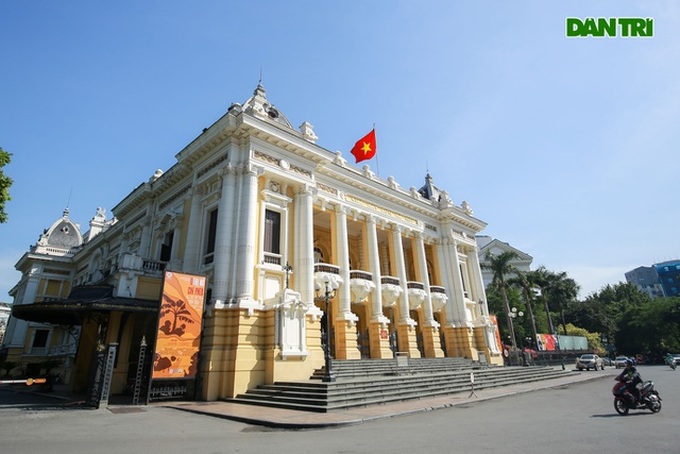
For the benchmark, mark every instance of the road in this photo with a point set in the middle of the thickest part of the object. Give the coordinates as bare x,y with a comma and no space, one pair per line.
576,418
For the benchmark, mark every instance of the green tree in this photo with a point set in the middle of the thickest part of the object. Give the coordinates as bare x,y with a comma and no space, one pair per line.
5,183
558,290
563,290
496,306
526,283
501,268
652,329
613,308
542,279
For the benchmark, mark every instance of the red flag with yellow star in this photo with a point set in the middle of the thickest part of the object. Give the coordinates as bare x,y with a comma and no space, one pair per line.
365,147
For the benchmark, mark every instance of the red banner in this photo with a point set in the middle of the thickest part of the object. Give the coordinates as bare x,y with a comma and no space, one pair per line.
179,326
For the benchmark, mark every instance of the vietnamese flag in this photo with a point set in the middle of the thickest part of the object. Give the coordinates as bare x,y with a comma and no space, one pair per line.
365,147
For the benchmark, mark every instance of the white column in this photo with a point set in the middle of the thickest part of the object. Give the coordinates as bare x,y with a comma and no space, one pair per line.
404,309
223,238
192,254
15,334
342,246
374,262
477,281
458,292
454,285
304,244
246,242
174,262
145,240
425,280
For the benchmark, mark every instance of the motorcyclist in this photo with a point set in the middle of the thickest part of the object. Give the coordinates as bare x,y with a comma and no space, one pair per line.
670,360
631,377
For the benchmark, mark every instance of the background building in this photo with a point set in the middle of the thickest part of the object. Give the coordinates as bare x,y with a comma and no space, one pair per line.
646,279
487,244
660,279
669,277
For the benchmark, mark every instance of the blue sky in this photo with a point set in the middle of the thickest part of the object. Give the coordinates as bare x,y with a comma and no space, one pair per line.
566,147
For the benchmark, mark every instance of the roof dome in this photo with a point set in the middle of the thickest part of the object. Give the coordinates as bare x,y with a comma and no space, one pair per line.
64,234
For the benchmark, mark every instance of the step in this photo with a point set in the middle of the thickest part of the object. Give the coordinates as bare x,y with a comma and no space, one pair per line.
352,392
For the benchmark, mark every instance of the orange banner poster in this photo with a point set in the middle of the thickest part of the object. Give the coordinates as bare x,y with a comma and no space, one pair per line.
179,326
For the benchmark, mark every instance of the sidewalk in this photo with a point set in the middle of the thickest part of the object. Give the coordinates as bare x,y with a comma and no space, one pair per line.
295,419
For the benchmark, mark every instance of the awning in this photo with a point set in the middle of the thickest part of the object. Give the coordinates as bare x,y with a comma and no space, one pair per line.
83,302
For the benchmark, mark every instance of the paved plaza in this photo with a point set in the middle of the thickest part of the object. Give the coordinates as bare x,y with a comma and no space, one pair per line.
570,414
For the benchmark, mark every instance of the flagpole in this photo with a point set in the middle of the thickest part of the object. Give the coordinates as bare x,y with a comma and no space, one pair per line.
377,163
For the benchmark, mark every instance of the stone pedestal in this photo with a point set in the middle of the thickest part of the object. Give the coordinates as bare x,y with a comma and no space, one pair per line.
408,341
459,341
431,342
346,346
379,337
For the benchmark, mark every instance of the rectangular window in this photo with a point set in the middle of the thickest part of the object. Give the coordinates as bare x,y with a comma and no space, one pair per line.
272,232
40,338
464,277
212,235
166,247
272,237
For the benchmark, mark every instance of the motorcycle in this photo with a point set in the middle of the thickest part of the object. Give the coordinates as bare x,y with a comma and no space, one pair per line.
647,398
670,360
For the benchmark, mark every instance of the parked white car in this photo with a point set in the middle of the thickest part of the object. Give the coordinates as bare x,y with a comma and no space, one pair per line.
620,361
589,361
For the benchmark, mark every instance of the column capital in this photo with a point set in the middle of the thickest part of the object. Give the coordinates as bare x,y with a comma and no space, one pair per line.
226,170
196,191
307,189
253,170
341,209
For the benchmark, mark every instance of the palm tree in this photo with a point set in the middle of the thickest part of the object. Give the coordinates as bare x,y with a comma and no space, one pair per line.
563,290
543,279
526,283
557,288
500,267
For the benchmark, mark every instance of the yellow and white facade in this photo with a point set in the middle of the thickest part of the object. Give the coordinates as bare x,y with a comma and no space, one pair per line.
274,220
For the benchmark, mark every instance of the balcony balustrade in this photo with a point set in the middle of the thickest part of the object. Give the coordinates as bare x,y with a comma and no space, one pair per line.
326,268
416,294
326,272
439,298
361,285
391,290
272,259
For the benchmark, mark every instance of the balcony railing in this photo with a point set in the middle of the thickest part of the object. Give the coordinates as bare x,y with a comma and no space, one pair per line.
416,285
153,265
326,268
365,275
272,259
390,280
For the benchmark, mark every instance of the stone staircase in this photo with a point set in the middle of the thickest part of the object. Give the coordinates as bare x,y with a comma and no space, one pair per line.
371,382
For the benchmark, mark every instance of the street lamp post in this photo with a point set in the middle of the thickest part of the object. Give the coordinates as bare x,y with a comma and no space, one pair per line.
514,313
328,371
559,349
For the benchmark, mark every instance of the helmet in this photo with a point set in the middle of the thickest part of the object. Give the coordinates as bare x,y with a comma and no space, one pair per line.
629,362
